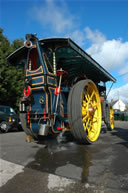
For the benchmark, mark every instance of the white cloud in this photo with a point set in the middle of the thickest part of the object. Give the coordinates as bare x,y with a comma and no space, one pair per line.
124,72
96,37
121,92
112,54
78,36
53,16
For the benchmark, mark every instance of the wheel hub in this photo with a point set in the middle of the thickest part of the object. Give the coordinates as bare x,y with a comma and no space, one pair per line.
91,110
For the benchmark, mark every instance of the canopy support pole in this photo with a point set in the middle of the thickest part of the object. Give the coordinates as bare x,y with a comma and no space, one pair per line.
110,89
54,63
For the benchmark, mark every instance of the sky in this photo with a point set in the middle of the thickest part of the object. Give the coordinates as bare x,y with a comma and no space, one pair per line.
100,27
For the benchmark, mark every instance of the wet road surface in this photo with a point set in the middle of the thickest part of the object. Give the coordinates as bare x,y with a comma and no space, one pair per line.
61,165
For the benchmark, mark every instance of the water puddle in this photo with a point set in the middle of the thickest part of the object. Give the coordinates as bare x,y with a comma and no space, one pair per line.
63,157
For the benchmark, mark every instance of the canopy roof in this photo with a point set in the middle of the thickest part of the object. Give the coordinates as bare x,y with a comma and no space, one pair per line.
70,57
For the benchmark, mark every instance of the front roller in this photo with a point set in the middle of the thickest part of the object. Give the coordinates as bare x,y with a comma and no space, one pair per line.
30,134
110,118
84,111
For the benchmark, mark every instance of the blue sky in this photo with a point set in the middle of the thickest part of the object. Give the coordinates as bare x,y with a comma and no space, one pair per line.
99,27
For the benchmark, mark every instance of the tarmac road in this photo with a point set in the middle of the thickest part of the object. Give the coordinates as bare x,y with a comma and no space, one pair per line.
60,165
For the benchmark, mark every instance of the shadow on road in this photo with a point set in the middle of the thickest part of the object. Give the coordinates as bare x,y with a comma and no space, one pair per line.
122,134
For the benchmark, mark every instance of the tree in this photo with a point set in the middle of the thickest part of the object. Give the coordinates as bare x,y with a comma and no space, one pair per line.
11,77
17,44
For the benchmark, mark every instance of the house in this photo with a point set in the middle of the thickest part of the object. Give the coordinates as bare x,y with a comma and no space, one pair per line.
118,105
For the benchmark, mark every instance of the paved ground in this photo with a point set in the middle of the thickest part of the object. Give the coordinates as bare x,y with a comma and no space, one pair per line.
63,166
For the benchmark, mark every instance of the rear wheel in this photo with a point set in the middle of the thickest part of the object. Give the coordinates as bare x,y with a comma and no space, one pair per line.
84,111
4,126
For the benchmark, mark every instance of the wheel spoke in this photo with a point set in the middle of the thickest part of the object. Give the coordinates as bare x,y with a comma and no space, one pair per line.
87,97
84,104
84,111
89,89
92,94
85,118
92,132
96,119
84,108
95,107
87,123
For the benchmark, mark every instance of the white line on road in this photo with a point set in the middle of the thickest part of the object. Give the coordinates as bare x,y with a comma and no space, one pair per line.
57,182
8,170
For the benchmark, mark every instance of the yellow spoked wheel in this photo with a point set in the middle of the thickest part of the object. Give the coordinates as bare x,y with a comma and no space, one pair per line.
84,111
91,111
111,117
110,124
